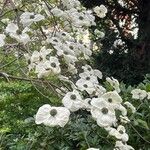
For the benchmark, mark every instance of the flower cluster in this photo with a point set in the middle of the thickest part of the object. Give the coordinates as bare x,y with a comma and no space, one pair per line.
56,32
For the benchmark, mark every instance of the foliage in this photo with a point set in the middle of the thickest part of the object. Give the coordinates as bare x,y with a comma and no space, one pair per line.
19,101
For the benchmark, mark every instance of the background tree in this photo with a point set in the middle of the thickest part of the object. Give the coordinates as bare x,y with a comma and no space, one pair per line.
125,52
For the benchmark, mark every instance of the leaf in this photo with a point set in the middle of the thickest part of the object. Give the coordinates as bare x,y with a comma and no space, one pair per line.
142,123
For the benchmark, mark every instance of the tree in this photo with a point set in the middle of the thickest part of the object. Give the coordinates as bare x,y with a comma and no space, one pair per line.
129,21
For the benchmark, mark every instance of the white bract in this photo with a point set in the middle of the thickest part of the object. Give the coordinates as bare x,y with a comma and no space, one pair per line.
73,101
13,30
119,133
138,94
100,11
2,38
27,18
112,98
122,146
114,83
52,116
102,112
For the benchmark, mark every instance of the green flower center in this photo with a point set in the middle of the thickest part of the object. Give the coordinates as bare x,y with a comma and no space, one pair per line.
87,78
73,97
53,65
71,47
89,69
32,17
53,112
104,110
65,52
110,100
81,18
85,85
120,131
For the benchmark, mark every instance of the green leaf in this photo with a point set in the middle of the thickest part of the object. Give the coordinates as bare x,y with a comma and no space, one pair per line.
142,123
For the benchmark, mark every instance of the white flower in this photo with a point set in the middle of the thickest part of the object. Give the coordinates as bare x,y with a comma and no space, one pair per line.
85,86
114,83
102,112
41,70
129,105
122,146
138,94
2,38
100,11
120,133
57,12
27,18
52,116
88,77
13,30
99,90
73,101
112,98
148,95
95,72
99,34
124,119
53,65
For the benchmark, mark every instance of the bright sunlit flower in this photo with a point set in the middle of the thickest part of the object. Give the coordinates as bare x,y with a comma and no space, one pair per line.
52,116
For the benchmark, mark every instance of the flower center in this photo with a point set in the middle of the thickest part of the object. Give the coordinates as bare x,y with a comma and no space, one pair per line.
55,40
63,34
104,110
81,18
19,32
110,100
87,78
73,96
32,17
120,131
89,69
71,47
66,53
53,65
53,112
85,85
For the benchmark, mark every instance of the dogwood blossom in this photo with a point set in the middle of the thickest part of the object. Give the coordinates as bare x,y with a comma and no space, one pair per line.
114,83
129,105
102,112
73,101
138,94
122,146
112,98
27,18
100,11
119,133
13,30
52,116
